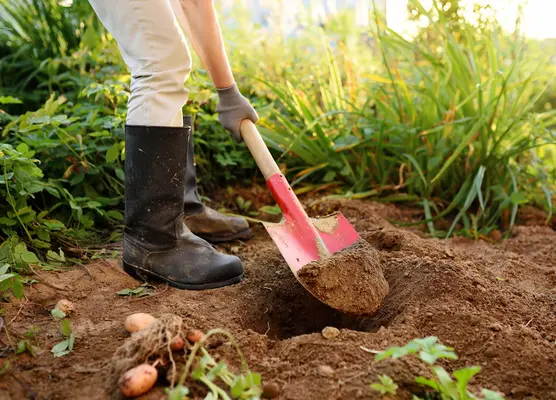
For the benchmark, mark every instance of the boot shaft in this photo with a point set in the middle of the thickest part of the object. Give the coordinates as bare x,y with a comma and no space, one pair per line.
192,201
156,159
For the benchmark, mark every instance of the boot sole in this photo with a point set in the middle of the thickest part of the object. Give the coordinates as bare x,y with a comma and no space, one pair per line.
245,234
142,274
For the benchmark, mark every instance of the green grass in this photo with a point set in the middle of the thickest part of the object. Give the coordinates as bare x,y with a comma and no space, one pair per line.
452,126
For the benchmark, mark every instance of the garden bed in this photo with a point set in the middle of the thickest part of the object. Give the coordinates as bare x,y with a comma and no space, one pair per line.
495,303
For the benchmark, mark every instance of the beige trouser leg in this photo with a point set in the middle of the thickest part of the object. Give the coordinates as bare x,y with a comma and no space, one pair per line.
154,48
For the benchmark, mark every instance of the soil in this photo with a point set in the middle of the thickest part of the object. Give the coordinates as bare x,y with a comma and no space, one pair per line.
494,302
351,280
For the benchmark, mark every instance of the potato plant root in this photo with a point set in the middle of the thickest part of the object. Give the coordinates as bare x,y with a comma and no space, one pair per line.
494,302
150,344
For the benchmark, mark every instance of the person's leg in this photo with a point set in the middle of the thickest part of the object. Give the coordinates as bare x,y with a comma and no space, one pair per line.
156,241
154,48
200,219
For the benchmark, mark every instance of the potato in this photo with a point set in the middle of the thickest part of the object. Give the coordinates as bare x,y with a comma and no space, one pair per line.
138,380
177,343
136,322
66,306
195,336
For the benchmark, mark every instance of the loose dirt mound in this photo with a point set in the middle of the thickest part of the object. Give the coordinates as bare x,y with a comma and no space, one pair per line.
351,280
494,303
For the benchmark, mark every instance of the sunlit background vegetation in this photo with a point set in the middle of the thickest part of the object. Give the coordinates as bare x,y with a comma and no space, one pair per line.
454,115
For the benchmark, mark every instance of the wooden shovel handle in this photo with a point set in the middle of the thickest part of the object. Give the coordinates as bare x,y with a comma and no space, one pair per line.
258,149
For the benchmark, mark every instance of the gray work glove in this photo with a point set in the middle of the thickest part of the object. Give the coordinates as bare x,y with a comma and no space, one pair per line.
232,109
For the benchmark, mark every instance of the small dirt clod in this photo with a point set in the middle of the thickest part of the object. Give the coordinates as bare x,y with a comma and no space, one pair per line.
351,280
330,332
271,390
326,370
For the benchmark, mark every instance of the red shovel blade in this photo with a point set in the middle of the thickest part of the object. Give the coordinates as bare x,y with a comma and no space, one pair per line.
300,239
336,233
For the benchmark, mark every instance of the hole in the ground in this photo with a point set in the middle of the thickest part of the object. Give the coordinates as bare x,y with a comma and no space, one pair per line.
285,309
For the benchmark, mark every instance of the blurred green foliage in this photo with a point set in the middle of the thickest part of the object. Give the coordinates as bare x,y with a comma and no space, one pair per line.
460,120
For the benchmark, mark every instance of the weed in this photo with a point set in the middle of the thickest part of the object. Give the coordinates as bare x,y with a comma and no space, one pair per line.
205,369
26,346
447,387
385,386
65,346
143,290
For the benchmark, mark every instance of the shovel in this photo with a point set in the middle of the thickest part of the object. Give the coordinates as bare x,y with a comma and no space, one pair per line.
300,239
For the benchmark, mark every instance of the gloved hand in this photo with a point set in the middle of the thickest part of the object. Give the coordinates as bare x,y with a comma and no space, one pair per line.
232,109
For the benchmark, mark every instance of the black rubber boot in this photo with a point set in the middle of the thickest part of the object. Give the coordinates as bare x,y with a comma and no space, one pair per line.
203,221
157,244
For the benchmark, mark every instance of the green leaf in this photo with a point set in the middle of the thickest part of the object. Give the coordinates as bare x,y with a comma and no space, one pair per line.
463,376
29,257
43,235
427,382
20,248
57,313
60,348
448,386
22,148
518,198
237,388
53,256
113,214
3,277
120,174
21,347
178,393
54,225
4,268
62,353
124,292
112,153
272,210
17,287
386,385
398,352
9,100
330,175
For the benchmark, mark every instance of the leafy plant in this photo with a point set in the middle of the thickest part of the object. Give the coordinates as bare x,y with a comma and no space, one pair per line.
430,351
385,385
205,369
26,346
139,291
65,346
10,281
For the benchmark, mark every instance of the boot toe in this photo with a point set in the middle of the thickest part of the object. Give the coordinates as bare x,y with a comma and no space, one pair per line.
240,224
224,270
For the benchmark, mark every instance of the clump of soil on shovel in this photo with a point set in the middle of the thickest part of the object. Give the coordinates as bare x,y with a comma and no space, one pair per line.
350,281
